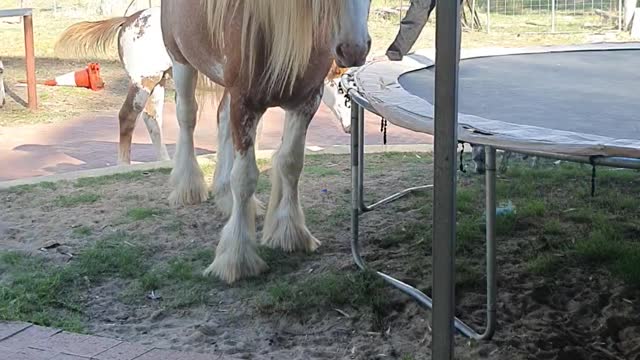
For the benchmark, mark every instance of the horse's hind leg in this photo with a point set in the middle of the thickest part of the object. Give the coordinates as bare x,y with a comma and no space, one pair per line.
478,157
134,104
236,255
152,116
187,177
284,225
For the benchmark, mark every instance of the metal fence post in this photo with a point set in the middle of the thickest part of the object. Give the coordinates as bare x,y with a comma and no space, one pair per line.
553,16
620,15
488,16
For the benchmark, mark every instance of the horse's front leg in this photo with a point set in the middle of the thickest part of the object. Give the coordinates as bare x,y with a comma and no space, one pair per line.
225,160
186,176
236,255
284,225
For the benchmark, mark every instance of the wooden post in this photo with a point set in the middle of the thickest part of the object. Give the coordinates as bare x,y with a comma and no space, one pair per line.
30,61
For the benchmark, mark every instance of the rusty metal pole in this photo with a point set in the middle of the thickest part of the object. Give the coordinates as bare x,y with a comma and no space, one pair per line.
30,60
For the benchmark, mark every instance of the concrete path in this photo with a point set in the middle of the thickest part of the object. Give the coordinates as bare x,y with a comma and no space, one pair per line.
91,142
23,341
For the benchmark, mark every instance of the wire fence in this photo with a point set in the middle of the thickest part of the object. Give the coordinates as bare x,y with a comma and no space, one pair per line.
558,16
80,8
509,16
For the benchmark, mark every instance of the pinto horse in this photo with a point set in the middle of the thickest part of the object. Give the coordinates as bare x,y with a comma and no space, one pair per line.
255,55
148,66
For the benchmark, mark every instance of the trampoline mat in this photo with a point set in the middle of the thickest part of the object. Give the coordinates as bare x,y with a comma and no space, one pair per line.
589,92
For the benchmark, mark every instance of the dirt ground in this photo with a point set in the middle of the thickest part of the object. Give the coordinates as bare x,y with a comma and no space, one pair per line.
552,303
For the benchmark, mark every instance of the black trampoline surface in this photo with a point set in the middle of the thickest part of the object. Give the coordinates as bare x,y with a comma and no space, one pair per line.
589,92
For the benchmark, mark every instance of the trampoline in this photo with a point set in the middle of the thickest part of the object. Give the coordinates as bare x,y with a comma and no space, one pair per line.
577,103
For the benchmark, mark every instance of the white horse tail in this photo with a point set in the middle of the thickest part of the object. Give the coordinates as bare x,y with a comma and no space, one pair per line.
90,37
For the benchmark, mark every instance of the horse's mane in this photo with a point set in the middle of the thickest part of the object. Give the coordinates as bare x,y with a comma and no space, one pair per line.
288,29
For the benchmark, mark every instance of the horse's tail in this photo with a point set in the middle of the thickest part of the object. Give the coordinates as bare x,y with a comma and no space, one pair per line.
89,37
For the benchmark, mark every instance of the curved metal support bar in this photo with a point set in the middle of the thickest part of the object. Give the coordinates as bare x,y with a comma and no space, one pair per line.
359,130
397,196
358,207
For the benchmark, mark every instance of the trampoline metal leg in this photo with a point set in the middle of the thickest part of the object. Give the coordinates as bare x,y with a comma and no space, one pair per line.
358,207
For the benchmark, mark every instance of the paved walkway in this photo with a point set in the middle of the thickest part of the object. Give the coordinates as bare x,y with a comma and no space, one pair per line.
91,142
23,341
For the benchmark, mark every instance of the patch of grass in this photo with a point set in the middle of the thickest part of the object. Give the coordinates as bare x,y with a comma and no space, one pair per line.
174,226
23,189
180,281
468,276
81,231
319,171
75,200
468,232
326,291
506,224
628,266
281,261
468,199
532,208
124,177
544,264
35,290
553,227
581,216
264,184
139,214
207,169
615,201
330,217
110,257
406,234
603,245
606,247
263,163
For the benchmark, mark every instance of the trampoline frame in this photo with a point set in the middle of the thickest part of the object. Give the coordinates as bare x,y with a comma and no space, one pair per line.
359,208
358,105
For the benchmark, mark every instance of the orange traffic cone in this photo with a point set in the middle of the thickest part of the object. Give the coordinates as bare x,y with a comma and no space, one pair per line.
87,78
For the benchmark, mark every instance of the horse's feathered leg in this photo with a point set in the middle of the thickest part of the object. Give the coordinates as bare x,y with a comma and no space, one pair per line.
284,223
236,255
187,177
225,157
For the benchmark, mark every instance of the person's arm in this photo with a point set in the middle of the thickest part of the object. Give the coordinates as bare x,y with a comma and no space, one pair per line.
410,28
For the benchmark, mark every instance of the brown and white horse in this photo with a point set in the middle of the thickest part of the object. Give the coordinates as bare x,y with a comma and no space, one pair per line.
264,54
145,60
260,54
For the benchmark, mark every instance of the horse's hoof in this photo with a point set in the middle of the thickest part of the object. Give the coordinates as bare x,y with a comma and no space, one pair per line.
231,266
288,235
